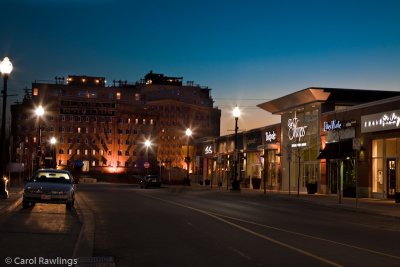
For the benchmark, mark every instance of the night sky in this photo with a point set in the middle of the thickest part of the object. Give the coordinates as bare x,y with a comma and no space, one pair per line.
248,52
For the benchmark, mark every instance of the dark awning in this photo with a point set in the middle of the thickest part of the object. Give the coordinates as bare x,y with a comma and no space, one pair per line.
337,150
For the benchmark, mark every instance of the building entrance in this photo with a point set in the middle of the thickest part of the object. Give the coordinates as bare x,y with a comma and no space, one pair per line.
391,178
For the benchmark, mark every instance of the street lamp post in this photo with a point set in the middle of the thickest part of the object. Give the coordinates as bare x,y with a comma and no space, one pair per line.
53,142
188,134
39,113
147,143
5,69
235,183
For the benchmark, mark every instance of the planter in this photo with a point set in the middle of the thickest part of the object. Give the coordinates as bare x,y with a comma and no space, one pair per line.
311,188
256,183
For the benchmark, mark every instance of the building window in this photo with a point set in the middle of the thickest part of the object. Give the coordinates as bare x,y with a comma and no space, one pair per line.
78,151
69,151
35,91
86,141
62,118
86,152
79,129
94,152
151,121
137,97
127,142
109,152
118,96
144,121
119,153
101,152
136,121
127,153
61,151
377,166
93,163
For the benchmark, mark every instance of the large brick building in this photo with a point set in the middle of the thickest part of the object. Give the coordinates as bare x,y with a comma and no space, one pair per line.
105,127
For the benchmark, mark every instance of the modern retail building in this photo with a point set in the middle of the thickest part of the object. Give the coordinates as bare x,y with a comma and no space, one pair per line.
330,141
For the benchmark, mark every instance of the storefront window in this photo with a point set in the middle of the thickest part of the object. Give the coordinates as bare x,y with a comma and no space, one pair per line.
377,166
390,148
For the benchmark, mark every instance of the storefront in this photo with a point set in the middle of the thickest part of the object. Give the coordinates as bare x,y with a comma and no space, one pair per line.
338,158
382,132
252,160
271,156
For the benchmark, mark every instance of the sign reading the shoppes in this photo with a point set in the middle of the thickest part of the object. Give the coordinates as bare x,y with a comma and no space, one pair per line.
332,125
380,121
295,131
270,137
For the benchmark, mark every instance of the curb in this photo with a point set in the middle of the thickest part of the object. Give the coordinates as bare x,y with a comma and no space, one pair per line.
14,204
85,242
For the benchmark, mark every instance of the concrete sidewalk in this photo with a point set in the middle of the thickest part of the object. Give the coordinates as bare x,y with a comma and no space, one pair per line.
15,199
381,207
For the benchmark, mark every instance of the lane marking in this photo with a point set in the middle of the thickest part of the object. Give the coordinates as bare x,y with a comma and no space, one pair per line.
301,251
309,236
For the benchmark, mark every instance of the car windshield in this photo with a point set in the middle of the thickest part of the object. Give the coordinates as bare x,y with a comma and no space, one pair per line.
52,177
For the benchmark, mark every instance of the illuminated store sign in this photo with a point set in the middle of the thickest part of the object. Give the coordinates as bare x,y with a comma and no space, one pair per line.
332,125
296,131
270,137
208,150
380,121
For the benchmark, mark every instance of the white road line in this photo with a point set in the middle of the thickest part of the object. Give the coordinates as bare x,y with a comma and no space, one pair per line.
309,236
212,215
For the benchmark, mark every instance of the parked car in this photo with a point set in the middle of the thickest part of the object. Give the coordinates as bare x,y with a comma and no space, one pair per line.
150,181
49,186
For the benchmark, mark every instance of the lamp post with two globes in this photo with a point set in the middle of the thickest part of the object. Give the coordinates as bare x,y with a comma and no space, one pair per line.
5,69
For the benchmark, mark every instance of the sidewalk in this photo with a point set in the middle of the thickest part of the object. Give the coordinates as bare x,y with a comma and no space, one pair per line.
9,204
381,207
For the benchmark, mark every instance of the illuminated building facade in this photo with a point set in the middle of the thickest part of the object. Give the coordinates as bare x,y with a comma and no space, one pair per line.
103,128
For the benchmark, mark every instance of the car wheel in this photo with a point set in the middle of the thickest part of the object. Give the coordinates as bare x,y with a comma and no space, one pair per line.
25,204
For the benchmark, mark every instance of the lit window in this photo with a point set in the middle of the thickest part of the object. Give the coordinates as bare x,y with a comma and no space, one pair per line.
151,122
118,96
101,152
94,152
136,121
35,91
86,152
78,151
93,163
69,151
79,129
144,121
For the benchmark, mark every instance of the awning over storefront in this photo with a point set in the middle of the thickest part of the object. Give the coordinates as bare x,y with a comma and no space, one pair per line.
337,150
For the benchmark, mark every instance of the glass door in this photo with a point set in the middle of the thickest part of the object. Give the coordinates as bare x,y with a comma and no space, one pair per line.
391,178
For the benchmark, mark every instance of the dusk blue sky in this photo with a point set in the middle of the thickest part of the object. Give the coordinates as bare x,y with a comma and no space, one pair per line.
248,52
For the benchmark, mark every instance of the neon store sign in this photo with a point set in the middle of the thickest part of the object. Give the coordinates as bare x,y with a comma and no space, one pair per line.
380,122
332,125
295,131
270,137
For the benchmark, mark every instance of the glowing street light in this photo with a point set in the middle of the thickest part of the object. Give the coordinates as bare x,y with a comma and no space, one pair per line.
235,183
147,144
53,142
39,111
5,69
188,134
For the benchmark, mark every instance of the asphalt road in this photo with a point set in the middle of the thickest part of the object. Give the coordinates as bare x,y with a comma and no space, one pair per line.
29,237
174,227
